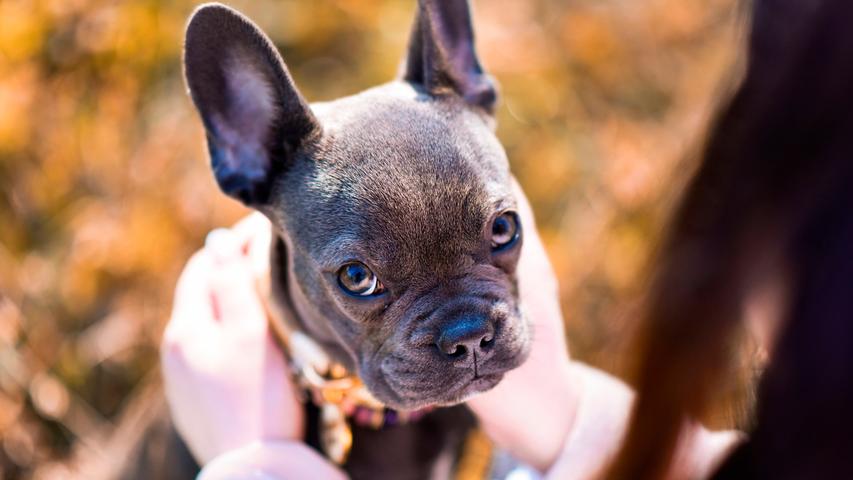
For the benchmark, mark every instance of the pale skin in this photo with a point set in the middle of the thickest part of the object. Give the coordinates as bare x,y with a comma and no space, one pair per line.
228,389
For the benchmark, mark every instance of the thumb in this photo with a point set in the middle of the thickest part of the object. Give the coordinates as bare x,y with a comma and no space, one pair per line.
233,287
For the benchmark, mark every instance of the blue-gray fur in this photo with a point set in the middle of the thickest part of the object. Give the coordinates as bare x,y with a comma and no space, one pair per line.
406,178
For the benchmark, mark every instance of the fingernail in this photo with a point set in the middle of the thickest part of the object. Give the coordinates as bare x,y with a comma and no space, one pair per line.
223,244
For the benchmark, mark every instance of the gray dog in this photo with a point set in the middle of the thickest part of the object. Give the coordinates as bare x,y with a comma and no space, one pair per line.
396,239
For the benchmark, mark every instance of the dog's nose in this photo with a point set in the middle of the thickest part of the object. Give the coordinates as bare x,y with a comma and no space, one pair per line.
467,334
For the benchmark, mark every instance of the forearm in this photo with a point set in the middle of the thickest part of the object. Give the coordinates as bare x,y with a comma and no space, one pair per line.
575,418
603,413
267,460
601,419
542,400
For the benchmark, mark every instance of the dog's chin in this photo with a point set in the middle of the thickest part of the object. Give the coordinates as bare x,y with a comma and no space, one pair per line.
473,388
406,401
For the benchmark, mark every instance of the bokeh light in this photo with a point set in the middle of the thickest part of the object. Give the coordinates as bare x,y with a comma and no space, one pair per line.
105,189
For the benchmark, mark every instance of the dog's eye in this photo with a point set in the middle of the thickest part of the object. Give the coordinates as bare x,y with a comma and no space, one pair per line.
355,278
505,230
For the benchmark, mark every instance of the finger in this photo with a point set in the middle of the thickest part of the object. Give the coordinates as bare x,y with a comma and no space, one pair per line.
252,228
253,235
224,245
191,308
232,284
280,399
259,248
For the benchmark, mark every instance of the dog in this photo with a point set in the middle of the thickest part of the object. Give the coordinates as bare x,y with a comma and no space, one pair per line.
395,233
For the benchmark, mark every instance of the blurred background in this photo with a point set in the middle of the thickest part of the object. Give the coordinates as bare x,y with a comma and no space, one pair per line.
105,189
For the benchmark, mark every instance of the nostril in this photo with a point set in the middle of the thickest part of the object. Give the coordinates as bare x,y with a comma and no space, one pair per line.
464,336
459,352
454,351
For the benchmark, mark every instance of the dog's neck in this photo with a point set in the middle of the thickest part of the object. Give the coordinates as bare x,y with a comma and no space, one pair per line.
329,384
280,294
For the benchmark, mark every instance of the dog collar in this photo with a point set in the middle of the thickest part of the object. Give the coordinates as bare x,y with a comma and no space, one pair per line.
340,395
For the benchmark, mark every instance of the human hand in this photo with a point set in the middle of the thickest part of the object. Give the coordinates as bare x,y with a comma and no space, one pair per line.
564,417
225,378
271,460
531,411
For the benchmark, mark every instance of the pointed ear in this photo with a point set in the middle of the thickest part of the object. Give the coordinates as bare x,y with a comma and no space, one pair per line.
254,116
441,54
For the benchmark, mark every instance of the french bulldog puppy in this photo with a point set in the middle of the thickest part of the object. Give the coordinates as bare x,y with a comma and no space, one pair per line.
395,235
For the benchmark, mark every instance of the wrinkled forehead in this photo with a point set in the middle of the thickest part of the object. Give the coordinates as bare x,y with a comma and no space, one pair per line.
395,125
408,179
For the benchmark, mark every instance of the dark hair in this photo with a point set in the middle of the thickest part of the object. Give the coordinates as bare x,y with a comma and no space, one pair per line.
772,200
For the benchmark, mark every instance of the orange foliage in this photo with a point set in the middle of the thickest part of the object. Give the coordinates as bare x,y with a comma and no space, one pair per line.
105,189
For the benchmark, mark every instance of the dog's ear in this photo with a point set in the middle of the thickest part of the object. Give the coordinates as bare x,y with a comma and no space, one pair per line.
254,116
441,54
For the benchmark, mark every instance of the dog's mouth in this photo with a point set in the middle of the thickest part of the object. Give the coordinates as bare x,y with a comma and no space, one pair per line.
478,385
419,373
470,388
412,394
464,392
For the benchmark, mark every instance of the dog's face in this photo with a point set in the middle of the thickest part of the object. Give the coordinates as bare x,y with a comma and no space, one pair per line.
394,206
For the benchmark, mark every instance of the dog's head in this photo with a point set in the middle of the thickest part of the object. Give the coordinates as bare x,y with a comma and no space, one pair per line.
393,207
